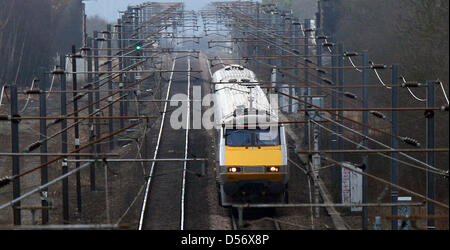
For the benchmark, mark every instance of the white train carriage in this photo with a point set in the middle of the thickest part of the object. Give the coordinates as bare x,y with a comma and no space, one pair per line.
252,156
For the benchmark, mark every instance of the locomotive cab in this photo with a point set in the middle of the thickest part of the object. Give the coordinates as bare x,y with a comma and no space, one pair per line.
254,169
252,154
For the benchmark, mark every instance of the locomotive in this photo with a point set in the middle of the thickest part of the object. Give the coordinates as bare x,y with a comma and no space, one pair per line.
251,164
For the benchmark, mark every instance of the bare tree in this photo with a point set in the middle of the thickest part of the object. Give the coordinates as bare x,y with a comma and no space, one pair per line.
32,32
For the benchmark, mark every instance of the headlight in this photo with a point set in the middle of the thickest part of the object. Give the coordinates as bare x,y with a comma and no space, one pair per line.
234,169
273,169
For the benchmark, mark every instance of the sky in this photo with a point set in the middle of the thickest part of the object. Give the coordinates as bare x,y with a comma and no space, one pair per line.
108,9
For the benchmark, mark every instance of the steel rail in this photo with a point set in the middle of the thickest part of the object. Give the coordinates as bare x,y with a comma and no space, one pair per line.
183,186
147,188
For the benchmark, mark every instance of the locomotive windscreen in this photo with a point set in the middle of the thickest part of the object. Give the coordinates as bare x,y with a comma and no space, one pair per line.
252,137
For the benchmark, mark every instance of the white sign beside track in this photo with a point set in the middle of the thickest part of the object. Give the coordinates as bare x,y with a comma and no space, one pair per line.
351,187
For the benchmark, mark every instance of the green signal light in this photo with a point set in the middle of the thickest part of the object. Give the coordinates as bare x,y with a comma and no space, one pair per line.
138,47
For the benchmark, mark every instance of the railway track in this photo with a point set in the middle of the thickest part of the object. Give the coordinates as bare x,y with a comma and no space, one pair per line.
163,207
255,220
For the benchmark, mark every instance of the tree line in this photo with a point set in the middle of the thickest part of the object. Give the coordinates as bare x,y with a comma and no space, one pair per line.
412,33
32,33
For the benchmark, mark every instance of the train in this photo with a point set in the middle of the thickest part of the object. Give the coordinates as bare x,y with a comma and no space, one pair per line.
251,156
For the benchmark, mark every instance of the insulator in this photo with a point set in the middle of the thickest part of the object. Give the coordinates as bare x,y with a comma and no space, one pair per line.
100,39
327,44
78,97
411,141
58,72
107,62
321,71
5,117
87,86
360,166
429,114
5,181
77,56
85,49
308,61
444,108
411,85
57,121
350,95
15,118
348,54
309,30
327,81
34,146
378,114
321,37
378,66
33,92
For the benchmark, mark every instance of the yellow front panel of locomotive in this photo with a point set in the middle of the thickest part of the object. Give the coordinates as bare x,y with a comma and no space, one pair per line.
233,177
253,156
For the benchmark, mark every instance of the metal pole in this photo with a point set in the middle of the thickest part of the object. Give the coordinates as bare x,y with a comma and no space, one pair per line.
98,132
340,103
334,137
306,91
64,142
430,155
315,169
365,132
83,25
91,110
394,141
319,60
297,91
15,149
126,61
110,86
108,217
119,22
377,225
77,127
43,147
240,216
